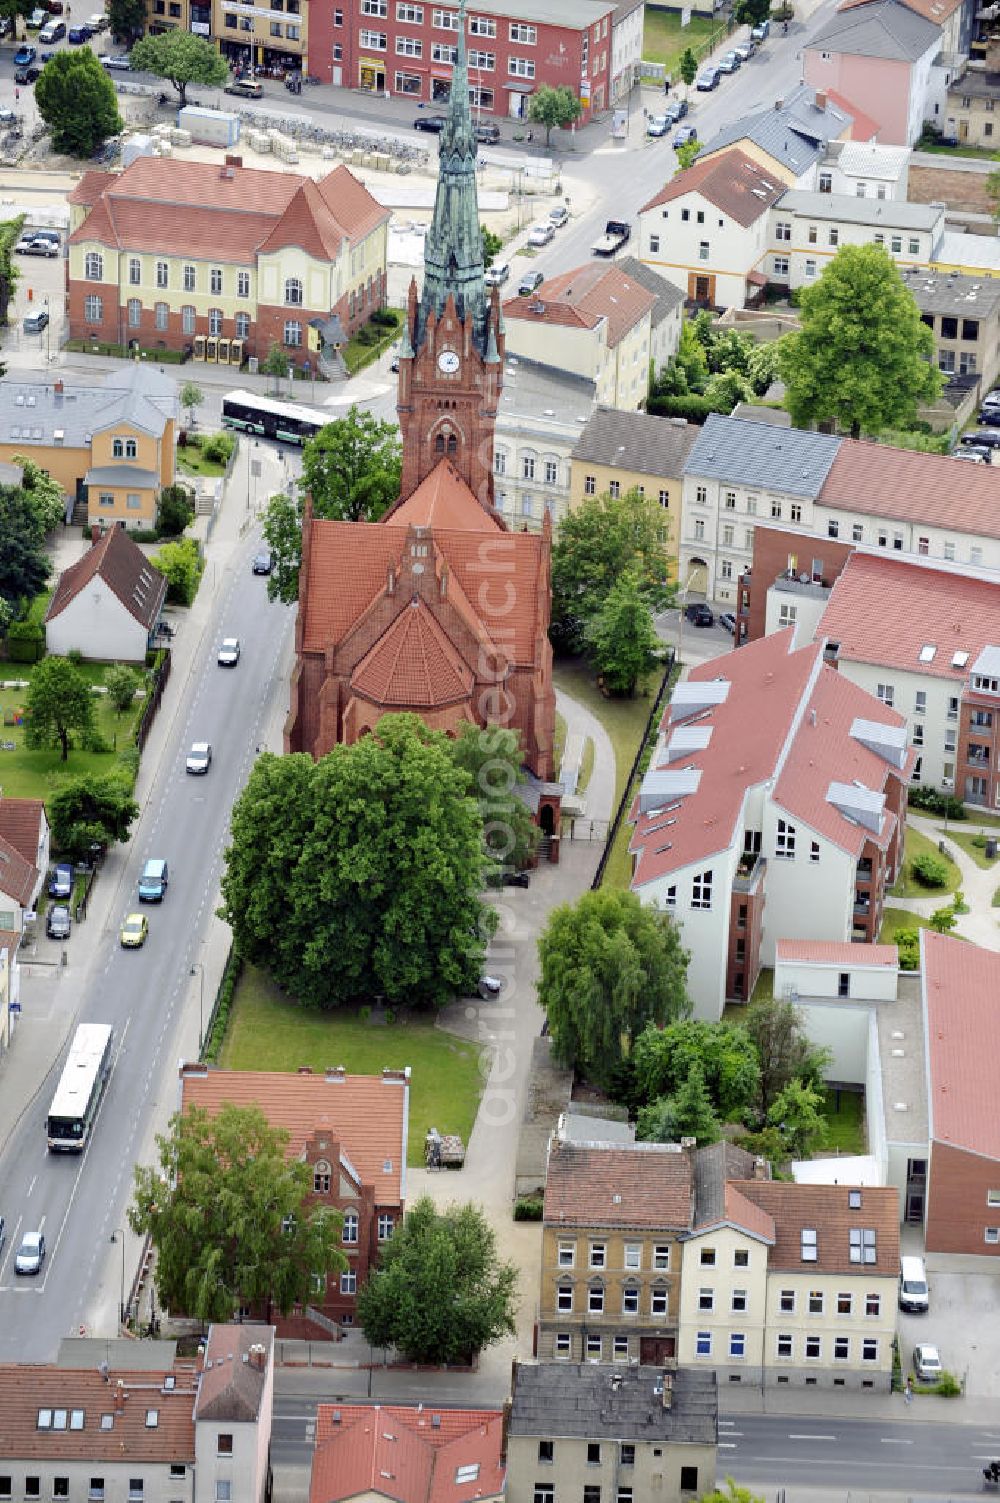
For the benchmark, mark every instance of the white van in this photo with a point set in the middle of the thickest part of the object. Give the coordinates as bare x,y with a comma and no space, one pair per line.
913,1291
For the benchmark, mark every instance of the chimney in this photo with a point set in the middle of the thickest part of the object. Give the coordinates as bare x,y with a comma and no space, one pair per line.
336,1074
304,1070
233,160
821,99
668,1390
258,1356
760,1167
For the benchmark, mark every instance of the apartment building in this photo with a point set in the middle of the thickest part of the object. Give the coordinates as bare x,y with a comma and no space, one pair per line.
595,321
881,54
430,1455
971,109
541,414
667,313
864,169
790,139
773,808
963,313
808,229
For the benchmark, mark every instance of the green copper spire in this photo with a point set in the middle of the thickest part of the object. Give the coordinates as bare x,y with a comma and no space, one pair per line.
453,251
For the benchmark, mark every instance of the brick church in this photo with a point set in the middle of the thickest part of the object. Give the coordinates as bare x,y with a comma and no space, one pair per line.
438,608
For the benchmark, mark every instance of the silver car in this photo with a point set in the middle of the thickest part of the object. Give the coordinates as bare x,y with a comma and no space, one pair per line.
199,758
31,1253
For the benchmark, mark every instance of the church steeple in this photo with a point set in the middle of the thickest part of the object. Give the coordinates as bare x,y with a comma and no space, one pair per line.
453,250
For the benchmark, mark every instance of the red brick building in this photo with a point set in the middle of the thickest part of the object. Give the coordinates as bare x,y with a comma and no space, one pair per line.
351,1130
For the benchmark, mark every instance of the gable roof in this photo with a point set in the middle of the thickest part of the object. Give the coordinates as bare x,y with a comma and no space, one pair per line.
126,571
21,825
26,1389
583,298
635,441
413,664
793,132
234,1373
406,1454
638,1185
960,996
367,1113
17,876
668,297
745,452
882,29
716,1201
906,486
826,1210
735,184
442,499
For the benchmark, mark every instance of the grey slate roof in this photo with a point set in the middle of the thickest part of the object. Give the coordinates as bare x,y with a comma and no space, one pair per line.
881,29
31,412
793,131
788,460
635,441
888,213
668,297
947,292
543,392
712,1167
594,1401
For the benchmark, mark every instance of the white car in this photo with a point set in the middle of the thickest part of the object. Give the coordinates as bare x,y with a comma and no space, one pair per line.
117,60
927,1363
496,275
97,22
541,234
31,1253
229,652
199,758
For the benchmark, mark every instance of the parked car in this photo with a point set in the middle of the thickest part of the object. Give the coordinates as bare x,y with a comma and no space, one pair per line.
31,1253
38,18
927,1363
761,31
541,234
699,614
61,882
77,35
433,123
685,134
516,879
229,652
58,922
676,110
199,758
53,32
559,215
728,620
496,275
973,454
52,236
730,62
745,50
263,563
489,987
487,132
528,283
707,80
134,931
24,55
35,323
24,76
657,125
985,438
97,22
35,245
989,414
119,61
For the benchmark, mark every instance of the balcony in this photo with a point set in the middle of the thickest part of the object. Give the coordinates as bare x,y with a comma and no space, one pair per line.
802,586
863,870
749,874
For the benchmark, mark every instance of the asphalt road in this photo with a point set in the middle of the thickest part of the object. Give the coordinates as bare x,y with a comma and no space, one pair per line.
79,1201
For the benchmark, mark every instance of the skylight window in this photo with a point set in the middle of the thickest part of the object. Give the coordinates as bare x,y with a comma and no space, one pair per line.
809,1249
959,659
862,1245
928,652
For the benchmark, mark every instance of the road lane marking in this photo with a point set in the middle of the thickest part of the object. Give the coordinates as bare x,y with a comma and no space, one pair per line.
725,1446
812,1437
34,1181
887,1440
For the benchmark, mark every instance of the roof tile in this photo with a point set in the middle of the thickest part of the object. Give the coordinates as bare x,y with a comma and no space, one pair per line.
21,825
826,1209
909,487
829,952
126,571
584,297
413,664
642,1185
960,984
406,1454
735,184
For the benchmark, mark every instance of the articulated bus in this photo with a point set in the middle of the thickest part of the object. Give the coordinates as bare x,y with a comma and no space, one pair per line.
284,421
81,1086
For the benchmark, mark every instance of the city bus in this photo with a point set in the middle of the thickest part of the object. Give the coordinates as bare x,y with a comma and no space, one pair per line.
81,1086
285,421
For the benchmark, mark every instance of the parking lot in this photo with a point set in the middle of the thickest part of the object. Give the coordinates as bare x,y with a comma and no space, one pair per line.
961,1321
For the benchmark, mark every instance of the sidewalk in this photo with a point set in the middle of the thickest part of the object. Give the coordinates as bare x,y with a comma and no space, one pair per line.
834,1404
581,724
982,923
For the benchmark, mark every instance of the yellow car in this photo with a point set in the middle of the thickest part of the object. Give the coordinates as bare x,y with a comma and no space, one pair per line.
134,931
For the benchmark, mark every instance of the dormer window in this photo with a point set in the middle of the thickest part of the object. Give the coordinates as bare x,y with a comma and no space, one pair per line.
809,1249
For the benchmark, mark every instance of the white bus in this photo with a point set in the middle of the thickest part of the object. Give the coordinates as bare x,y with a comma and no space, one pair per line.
285,421
81,1086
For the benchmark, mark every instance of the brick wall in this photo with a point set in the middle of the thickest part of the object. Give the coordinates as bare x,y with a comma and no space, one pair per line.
771,547
957,1212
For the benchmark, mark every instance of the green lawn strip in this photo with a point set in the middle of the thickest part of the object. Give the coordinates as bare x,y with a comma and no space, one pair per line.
894,919
980,153
586,764
267,1032
192,461
845,1128
764,989
664,39
907,886
34,774
965,838
996,899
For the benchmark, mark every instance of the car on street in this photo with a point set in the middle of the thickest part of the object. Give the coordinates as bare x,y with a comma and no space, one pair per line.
263,563
989,414
433,123
77,35
676,110
496,275
541,234
559,215
35,245
528,283
61,882
927,1363
728,620
245,88
516,879
134,931
761,31
229,652
707,80
53,32
35,323
487,132
199,758
25,76
982,438
31,1253
699,614
730,62
58,922
24,55
489,987
657,125
685,134
38,17
973,454
745,50
97,22
120,61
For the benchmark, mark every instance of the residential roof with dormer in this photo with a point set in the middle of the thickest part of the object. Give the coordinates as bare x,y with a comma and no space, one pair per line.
794,132
731,181
126,571
21,822
585,297
408,1455
830,1213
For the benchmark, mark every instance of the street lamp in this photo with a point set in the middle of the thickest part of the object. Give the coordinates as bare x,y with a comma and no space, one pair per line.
199,967
118,1235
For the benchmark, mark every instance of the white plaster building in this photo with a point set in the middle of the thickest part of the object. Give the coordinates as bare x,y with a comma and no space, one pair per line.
865,169
808,229
626,47
542,413
107,604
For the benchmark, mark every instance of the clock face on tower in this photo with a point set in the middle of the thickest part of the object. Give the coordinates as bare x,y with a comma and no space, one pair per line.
448,362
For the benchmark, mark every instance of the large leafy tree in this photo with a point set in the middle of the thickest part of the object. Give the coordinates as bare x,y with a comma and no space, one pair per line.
609,966
24,567
724,1052
126,18
862,359
797,1113
374,856
599,541
351,471
784,1052
44,495
59,703
181,59
622,638
551,107
441,1292
491,759
77,101
227,1214
688,1113
90,811
751,12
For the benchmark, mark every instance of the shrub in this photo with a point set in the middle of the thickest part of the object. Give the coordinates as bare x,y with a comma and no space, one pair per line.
176,510
218,448
526,1208
934,802
385,318
129,760
25,642
75,656
948,1386
223,1006
692,407
930,870
908,944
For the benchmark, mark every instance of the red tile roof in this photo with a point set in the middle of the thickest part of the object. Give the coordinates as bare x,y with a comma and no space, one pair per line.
583,297
735,184
25,1389
863,127
961,1000
743,1213
18,877
413,664
90,187
643,1185
936,11
918,607
442,499
829,952
350,202
826,1209
912,487
368,1114
409,1455
126,571
234,1375
21,825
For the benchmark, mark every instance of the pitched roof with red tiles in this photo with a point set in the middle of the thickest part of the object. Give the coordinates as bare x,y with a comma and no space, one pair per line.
735,184
26,1390
21,825
409,1455
585,296
413,664
350,203
442,499
742,1213
960,987
910,487
234,1373
919,608
90,187
18,877
126,571
827,1211
642,1185
829,952
367,1113
863,127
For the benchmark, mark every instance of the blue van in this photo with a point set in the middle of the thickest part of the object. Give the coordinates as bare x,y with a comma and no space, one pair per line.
153,882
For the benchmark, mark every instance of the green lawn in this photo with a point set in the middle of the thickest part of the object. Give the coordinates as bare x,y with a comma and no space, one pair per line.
357,354
764,990
267,1032
34,774
191,459
559,744
907,886
963,149
664,39
894,919
586,763
964,838
845,1129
